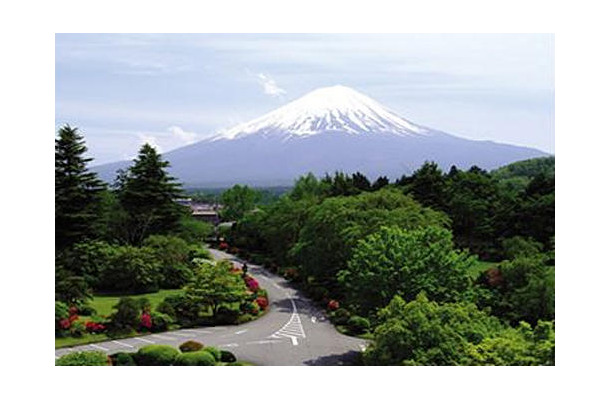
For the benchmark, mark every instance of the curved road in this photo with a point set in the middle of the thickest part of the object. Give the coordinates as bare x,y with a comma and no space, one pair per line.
292,332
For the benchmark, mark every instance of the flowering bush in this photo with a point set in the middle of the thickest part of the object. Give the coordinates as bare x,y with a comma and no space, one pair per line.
262,302
95,327
333,305
64,323
146,320
251,283
223,246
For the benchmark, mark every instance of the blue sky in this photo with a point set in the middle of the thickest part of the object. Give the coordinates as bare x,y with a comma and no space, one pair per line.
172,90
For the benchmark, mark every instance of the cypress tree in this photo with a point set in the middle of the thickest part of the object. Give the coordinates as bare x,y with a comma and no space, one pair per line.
77,191
148,195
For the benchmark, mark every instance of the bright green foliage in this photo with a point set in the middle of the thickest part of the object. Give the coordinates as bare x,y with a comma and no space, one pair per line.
309,187
83,358
148,195
132,270
77,191
334,227
156,354
398,262
214,352
195,358
194,231
423,332
527,168
358,325
237,201
215,285
174,255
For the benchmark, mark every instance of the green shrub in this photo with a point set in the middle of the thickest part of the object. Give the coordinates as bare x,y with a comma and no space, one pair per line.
340,316
190,346
132,270
77,329
122,359
184,309
160,321
358,325
61,314
156,354
195,358
86,310
226,315
214,352
127,314
83,358
227,357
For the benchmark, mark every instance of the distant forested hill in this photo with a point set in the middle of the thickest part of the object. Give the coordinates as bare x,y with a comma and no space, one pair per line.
519,174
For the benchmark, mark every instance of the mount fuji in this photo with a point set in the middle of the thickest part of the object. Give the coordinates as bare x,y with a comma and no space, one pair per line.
327,130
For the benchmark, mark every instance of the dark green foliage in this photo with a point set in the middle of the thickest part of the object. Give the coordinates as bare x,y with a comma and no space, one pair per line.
182,308
161,322
518,246
237,201
214,352
341,316
77,191
88,258
196,358
156,354
358,325
127,315
428,186
147,194
83,358
61,313
190,345
122,359
380,183
70,288
527,169
227,357
361,182
131,270
398,262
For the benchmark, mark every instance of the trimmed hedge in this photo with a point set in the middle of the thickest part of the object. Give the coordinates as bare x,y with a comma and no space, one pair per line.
227,356
122,359
358,325
156,354
81,358
195,358
214,352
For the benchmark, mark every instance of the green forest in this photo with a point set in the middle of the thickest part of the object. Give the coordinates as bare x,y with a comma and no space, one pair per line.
434,268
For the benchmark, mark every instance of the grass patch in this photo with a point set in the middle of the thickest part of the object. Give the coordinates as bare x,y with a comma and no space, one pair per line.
479,267
103,303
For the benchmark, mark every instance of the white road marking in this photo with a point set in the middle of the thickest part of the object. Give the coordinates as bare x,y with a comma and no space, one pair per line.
179,334
240,332
313,319
122,344
229,345
165,337
218,328
277,286
143,340
95,346
264,341
293,329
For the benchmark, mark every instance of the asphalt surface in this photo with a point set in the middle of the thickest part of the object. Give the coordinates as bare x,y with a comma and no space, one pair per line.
293,332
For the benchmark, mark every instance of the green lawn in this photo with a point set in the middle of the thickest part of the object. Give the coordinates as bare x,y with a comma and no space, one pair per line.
479,267
103,303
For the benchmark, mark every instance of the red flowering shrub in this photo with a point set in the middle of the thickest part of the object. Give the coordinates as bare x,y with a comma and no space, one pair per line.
262,302
72,318
333,305
223,246
146,320
95,327
64,323
251,283
73,310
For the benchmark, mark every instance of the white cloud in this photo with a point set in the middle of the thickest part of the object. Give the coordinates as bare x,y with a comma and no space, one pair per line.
269,86
182,135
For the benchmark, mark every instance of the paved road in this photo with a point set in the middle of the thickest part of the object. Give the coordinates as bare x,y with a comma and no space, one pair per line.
293,332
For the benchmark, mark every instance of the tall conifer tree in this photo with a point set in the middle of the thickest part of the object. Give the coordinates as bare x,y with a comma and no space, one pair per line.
77,191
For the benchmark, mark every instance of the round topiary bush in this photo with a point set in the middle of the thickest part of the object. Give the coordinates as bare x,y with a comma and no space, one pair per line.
83,358
190,346
358,325
122,359
195,358
227,356
156,354
214,352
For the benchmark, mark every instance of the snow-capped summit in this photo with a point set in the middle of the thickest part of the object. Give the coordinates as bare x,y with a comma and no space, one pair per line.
325,110
327,130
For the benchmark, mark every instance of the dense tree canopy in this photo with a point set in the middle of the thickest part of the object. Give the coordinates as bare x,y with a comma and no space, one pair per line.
237,201
394,261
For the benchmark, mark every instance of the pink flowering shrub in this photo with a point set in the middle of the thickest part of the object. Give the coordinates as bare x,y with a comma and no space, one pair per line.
333,305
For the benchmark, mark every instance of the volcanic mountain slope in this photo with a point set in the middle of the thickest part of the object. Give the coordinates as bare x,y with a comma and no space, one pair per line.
327,130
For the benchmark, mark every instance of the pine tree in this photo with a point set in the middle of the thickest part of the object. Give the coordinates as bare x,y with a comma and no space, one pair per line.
147,193
77,191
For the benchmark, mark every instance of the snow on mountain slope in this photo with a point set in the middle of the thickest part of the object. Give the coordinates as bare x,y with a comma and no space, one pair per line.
336,108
